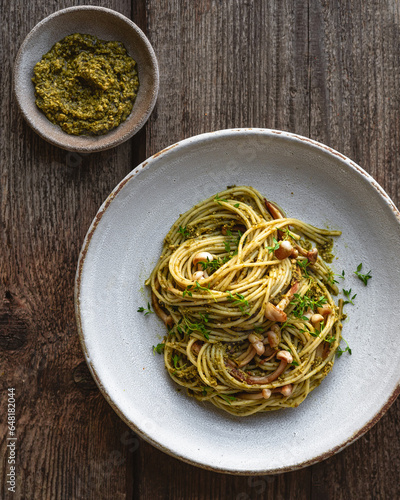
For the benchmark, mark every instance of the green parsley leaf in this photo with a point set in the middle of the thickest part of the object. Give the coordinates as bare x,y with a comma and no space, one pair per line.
363,277
204,317
288,233
159,348
239,300
303,303
274,247
303,264
227,246
218,199
212,265
197,327
349,298
184,231
146,311
340,351
228,398
331,280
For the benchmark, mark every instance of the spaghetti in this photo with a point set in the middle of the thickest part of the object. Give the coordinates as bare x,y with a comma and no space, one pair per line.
252,325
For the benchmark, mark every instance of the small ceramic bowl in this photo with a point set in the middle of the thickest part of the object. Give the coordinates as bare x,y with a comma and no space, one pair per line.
105,24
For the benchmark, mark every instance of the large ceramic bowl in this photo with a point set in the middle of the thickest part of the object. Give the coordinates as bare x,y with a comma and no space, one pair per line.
107,25
310,181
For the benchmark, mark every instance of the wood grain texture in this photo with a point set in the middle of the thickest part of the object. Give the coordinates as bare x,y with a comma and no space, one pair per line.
71,444
229,64
324,69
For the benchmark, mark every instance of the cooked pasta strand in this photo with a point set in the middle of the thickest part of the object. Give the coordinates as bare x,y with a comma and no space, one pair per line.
224,289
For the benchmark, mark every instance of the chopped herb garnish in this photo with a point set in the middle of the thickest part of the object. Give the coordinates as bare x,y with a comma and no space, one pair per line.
199,287
184,231
303,303
317,331
349,298
363,277
196,288
175,360
303,264
239,300
331,278
227,246
274,247
204,317
146,311
195,327
236,205
227,398
295,363
288,233
330,339
218,199
212,265
191,288
240,234
159,348
179,327
284,325
340,351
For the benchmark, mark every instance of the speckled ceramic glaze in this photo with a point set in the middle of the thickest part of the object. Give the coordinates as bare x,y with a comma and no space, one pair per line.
106,24
310,181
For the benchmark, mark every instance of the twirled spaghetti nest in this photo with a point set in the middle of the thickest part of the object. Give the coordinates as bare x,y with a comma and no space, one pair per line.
252,325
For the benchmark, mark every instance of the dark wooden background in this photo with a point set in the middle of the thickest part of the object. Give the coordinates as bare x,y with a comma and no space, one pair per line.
328,70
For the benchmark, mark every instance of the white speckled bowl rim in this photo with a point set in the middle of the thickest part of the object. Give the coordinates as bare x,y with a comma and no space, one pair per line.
310,181
106,24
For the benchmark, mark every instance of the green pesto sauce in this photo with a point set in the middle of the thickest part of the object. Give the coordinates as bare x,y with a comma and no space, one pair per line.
325,251
85,85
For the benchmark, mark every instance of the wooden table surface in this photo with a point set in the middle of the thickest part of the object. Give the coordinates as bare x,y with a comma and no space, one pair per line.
328,70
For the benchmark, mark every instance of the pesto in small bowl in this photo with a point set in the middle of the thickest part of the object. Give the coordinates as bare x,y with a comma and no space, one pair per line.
85,85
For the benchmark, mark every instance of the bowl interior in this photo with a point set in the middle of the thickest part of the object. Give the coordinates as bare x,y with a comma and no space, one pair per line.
107,25
310,182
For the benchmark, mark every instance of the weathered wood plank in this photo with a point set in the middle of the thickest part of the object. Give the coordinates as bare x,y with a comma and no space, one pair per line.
229,64
354,84
70,443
